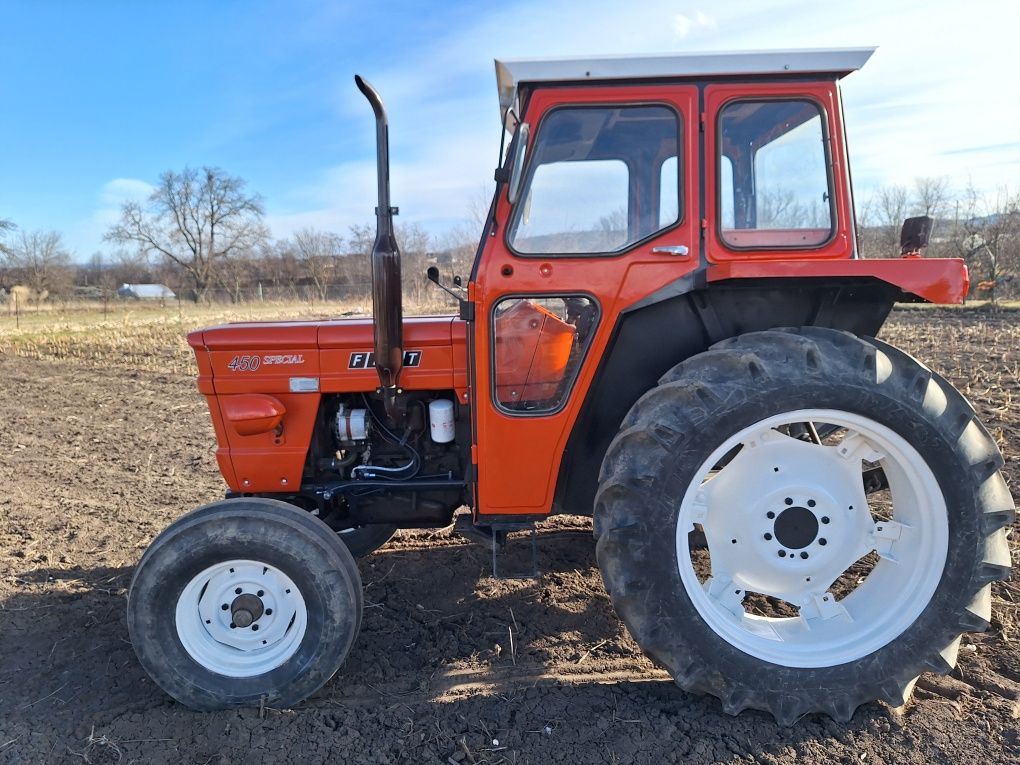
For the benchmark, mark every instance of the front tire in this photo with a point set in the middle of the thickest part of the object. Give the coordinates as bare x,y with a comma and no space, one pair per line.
813,595
244,602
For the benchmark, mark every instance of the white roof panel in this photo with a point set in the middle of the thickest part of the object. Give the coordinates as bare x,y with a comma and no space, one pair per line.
511,72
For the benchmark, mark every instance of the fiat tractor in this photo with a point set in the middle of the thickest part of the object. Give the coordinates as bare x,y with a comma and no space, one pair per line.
667,326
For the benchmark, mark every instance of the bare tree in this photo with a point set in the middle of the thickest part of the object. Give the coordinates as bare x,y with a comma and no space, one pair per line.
986,233
235,275
5,225
415,244
892,211
194,219
39,260
931,196
319,252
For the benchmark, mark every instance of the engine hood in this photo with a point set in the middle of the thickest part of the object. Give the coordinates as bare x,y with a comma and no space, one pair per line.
332,333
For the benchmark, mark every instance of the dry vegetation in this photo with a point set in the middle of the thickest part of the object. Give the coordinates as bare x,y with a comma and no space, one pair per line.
152,337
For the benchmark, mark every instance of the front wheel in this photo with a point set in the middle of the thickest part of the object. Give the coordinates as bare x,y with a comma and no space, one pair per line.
243,602
853,511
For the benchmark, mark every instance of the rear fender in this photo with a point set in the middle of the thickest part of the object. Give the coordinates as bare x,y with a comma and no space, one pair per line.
663,330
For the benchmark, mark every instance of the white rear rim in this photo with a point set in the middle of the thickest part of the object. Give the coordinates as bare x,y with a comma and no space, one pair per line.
241,618
789,519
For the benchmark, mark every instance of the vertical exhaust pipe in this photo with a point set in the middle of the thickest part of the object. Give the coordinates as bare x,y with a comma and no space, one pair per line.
387,311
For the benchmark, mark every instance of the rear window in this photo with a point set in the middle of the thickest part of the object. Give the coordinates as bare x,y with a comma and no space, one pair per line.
773,183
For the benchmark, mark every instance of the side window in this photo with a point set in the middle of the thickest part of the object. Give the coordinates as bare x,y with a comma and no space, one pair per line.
669,192
539,345
599,179
774,186
725,192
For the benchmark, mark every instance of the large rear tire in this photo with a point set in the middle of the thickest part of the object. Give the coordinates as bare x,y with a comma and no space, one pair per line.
815,593
244,602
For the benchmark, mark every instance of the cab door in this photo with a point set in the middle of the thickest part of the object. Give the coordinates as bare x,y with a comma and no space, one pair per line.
606,214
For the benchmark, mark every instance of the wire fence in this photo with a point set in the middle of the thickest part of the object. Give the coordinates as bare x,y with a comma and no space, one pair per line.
18,310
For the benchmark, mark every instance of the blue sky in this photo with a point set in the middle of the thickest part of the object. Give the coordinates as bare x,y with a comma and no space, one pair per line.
97,98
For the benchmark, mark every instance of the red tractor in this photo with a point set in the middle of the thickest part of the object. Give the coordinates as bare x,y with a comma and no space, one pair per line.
667,326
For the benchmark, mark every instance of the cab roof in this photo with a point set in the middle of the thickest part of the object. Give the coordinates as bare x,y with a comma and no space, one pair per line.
511,73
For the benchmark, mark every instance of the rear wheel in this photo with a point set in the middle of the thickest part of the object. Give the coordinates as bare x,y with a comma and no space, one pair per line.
243,602
853,513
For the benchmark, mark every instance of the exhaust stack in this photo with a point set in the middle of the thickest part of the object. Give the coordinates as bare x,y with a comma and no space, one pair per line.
387,310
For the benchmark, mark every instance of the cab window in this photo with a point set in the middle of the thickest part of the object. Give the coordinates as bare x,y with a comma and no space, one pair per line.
539,343
599,180
772,170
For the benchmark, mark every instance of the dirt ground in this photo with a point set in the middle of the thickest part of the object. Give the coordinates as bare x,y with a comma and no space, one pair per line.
451,665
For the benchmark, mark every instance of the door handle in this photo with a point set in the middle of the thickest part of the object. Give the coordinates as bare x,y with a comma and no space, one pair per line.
673,249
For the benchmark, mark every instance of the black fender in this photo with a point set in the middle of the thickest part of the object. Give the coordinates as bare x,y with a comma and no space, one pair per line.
684,319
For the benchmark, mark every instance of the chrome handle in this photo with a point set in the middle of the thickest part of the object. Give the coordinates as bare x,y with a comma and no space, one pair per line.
673,249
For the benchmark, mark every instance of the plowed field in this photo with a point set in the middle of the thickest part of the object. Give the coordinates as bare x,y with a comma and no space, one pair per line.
99,451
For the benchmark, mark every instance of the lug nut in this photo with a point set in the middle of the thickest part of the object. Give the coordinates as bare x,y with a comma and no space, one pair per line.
768,537
788,500
822,542
804,555
770,515
825,519
811,503
782,553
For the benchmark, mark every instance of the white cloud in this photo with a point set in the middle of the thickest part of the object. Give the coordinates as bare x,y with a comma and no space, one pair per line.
109,199
120,190
684,25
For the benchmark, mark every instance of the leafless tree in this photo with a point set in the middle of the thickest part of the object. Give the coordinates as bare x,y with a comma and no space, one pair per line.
6,225
415,244
319,253
39,260
194,219
931,196
892,211
986,233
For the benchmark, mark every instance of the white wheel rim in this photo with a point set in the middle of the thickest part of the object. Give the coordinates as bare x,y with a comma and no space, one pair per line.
774,472
249,589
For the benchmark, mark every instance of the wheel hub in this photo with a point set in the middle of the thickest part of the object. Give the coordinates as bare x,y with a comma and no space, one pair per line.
246,609
799,499
796,527
241,618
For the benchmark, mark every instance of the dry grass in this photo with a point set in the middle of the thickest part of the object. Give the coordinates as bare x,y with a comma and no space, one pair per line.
152,337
